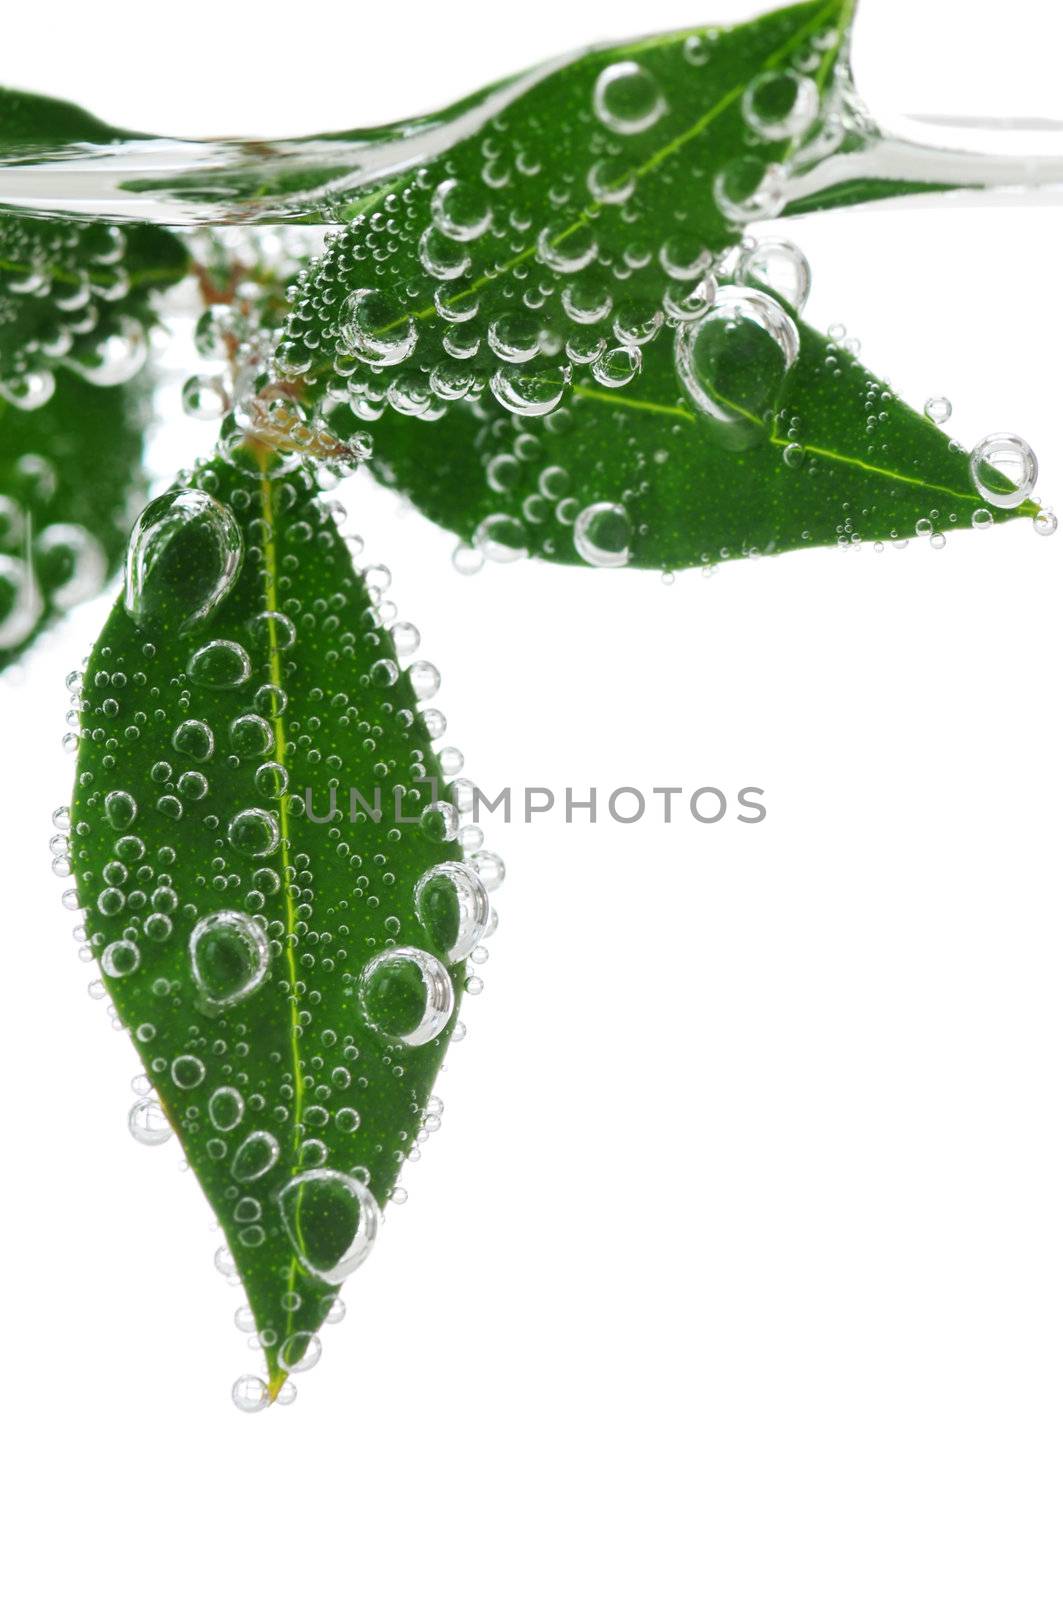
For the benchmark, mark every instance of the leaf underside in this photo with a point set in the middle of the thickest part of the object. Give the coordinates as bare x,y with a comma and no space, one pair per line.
308,1070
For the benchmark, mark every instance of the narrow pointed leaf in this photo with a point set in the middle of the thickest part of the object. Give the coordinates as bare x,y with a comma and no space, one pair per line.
642,478
234,929
70,485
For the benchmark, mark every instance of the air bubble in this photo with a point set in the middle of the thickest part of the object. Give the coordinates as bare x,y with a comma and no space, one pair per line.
332,1221
184,556
254,832
627,99
221,664
453,908
778,266
375,328
780,105
147,1122
407,995
1003,470
256,1156
229,953
602,534
733,362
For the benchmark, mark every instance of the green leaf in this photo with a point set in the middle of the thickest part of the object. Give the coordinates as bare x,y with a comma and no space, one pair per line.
642,477
567,211
77,295
70,483
30,123
236,932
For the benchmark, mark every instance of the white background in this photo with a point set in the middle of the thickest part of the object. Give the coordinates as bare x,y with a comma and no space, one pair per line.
735,1269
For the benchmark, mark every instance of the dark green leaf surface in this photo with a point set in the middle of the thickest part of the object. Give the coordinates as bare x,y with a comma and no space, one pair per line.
190,804
33,122
842,460
592,185
70,486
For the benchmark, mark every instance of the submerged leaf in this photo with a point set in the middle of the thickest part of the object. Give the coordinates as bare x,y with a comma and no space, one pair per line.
70,476
77,295
288,972
649,478
562,222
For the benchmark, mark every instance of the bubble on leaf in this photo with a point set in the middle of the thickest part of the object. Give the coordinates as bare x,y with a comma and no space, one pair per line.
185,554
375,327
602,534
254,832
250,1394
256,1156
332,1220
148,1123
120,958
780,105
229,953
453,908
732,363
226,1108
71,563
747,189
406,995
781,268
460,209
627,99
221,664
1003,470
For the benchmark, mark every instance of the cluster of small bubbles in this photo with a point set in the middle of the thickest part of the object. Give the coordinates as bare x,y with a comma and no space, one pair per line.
66,305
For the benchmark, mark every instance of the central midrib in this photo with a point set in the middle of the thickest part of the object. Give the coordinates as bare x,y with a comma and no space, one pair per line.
682,415
269,553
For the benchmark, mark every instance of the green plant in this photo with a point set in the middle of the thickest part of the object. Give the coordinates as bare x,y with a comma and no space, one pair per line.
550,332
